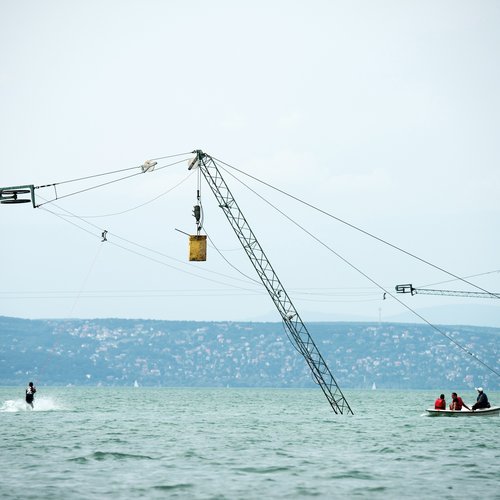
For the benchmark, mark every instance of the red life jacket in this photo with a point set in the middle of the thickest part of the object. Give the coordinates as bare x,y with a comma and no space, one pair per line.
458,403
440,404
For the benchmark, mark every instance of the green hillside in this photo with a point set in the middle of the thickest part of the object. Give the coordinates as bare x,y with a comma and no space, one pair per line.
183,353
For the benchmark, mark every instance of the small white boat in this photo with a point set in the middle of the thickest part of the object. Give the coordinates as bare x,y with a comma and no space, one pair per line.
483,412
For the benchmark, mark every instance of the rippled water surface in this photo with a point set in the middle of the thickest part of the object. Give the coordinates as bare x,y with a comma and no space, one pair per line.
241,443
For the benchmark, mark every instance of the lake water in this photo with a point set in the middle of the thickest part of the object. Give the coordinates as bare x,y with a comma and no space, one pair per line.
241,443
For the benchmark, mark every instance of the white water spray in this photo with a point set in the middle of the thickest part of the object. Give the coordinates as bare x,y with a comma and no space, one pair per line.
42,403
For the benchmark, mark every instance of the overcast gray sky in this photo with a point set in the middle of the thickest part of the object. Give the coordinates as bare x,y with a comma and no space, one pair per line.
384,114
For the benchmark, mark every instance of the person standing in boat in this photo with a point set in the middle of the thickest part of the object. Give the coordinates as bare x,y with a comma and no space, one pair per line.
482,400
440,403
30,394
457,402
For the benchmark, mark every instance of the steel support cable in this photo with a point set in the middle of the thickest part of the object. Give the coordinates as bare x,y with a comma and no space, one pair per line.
57,343
40,294
97,186
463,277
93,176
173,156
82,218
137,295
229,263
336,301
92,265
133,208
149,250
86,189
186,264
298,292
111,172
177,269
292,341
149,291
152,258
367,233
168,165
369,278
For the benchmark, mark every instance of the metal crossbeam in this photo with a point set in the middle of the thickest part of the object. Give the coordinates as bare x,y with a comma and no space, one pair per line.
408,288
300,336
15,194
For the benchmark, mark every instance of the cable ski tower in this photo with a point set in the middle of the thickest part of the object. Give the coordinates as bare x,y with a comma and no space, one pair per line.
295,329
299,335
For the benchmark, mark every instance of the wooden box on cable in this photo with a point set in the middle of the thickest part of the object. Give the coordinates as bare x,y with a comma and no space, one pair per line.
198,247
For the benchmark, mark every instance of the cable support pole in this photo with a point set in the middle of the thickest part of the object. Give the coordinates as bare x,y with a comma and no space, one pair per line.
291,318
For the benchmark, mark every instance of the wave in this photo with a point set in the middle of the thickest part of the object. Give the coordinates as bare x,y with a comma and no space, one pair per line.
107,455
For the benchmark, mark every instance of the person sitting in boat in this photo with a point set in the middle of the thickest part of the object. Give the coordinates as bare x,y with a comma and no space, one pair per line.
440,403
482,400
457,402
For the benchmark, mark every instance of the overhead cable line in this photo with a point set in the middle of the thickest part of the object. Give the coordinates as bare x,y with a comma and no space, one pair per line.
367,233
357,269
41,294
353,291
86,189
54,185
229,263
171,156
178,260
336,301
89,272
470,276
144,248
110,172
147,256
93,176
86,295
133,208
212,293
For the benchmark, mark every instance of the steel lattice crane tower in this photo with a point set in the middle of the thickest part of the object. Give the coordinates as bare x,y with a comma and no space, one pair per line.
300,336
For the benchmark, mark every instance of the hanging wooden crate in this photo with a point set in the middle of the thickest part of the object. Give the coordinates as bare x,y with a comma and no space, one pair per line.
198,247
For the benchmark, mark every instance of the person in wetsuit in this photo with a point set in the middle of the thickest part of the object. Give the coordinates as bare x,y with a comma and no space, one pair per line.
30,394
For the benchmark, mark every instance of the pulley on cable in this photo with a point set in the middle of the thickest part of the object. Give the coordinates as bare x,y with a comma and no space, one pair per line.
198,242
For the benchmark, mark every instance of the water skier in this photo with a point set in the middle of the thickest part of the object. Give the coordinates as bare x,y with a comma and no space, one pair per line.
30,394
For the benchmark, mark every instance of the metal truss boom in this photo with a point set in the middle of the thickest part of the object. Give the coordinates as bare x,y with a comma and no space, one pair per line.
408,288
299,335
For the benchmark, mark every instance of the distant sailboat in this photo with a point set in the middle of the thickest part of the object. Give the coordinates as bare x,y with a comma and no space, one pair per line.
136,384
374,387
